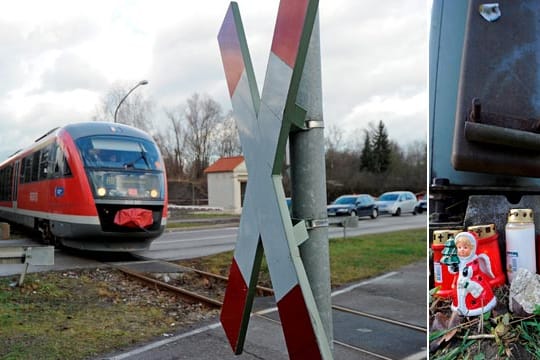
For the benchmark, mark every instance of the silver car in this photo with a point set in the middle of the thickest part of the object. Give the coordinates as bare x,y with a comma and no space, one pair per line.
397,202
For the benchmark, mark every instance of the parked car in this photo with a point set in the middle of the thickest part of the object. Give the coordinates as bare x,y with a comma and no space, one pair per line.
353,205
421,206
397,203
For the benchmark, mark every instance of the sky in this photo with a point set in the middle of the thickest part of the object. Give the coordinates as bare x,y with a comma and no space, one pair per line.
59,58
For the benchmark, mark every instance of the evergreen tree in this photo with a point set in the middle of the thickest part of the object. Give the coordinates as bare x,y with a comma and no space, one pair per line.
366,158
381,149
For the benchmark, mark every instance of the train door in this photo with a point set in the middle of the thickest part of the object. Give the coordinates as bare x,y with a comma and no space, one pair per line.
43,158
58,171
15,188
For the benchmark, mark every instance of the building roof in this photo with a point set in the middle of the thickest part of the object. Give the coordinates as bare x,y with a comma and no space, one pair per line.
225,164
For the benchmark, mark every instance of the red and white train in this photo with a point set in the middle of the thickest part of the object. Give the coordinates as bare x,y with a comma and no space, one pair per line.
93,186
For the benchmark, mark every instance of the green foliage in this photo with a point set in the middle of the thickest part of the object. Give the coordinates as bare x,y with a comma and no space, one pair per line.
366,157
458,352
376,154
530,335
351,168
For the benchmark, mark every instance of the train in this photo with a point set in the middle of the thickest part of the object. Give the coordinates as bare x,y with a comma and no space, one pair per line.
95,186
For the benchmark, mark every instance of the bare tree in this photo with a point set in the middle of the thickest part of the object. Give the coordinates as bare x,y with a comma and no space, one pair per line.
333,142
227,139
136,110
174,148
202,114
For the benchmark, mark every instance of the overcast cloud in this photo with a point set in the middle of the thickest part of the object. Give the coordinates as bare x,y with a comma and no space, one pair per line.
57,59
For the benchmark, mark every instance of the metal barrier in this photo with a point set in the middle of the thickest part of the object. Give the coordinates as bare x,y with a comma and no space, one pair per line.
345,222
27,255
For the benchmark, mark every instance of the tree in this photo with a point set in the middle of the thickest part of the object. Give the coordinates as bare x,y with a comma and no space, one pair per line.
174,149
351,168
376,154
136,110
227,140
333,144
366,157
201,115
381,149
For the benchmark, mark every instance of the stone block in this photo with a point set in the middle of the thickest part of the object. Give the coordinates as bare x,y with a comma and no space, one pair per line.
524,292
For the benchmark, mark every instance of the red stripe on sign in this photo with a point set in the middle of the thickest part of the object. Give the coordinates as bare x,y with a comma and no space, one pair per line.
299,335
231,52
288,31
234,305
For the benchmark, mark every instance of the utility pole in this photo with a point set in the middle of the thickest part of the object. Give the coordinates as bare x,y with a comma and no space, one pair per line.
308,180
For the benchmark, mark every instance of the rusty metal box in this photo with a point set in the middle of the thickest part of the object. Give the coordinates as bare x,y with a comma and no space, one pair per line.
497,124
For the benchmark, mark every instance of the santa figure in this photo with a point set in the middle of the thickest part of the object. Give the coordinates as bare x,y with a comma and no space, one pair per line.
472,293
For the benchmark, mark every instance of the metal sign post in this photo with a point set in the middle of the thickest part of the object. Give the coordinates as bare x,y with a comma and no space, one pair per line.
290,102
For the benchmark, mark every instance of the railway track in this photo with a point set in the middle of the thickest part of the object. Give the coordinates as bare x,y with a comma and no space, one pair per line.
353,329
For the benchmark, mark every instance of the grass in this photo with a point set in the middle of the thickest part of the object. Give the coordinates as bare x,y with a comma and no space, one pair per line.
181,225
48,318
351,259
77,315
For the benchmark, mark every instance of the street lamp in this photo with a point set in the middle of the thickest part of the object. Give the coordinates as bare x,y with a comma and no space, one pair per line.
142,82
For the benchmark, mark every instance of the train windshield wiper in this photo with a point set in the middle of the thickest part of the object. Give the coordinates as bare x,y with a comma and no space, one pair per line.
131,165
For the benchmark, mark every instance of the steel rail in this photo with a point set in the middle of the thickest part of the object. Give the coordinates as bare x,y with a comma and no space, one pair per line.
186,293
337,342
269,291
263,289
380,318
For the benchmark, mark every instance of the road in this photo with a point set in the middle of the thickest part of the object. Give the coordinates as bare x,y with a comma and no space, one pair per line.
194,243
185,244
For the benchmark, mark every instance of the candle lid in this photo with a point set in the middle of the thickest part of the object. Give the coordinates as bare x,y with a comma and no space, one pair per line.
482,231
441,236
520,216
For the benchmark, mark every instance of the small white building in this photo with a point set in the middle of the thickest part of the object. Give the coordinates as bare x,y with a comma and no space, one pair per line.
227,179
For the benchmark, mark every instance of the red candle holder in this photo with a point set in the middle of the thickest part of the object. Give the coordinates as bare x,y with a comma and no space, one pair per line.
488,243
442,278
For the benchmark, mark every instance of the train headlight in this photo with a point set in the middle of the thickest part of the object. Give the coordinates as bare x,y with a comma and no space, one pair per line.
154,193
101,191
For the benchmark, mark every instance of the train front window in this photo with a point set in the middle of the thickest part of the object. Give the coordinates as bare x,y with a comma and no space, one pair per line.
122,167
119,153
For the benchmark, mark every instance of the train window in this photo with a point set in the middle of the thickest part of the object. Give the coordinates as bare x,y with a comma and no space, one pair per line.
26,174
115,144
119,153
61,166
43,163
6,182
35,166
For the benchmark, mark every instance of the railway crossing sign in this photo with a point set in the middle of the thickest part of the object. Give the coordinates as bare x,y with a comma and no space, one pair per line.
264,123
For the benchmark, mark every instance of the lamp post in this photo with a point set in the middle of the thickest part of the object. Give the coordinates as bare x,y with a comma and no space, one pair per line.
142,82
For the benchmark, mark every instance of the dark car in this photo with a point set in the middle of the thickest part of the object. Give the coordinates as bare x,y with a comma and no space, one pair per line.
422,205
353,205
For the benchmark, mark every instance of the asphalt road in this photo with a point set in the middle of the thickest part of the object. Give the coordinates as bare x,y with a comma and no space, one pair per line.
185,244
194,243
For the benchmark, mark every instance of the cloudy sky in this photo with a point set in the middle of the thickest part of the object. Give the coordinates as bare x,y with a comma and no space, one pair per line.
57,60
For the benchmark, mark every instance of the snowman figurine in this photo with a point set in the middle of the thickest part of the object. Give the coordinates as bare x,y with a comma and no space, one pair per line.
472,294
